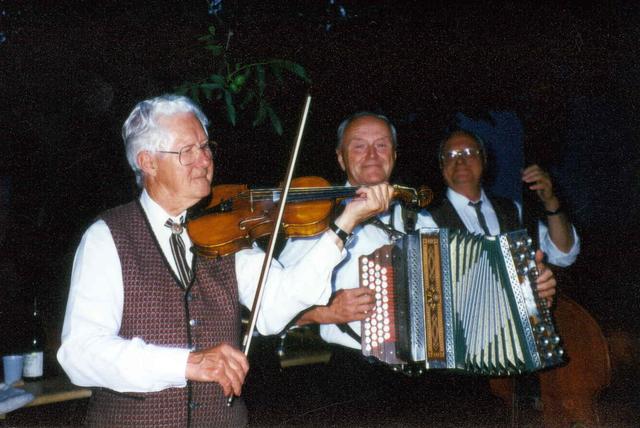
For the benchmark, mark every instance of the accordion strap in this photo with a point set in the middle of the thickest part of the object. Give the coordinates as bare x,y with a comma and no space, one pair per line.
346,328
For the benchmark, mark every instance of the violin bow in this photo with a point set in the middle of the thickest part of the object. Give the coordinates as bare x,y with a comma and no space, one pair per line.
246,340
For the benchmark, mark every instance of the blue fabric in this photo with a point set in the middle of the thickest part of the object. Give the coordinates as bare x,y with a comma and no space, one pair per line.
13,398
505,141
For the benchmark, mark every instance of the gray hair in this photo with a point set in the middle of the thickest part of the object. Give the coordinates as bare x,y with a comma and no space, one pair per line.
346,122
141,130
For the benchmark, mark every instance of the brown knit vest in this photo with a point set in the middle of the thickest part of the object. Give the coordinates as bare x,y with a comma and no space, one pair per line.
158,310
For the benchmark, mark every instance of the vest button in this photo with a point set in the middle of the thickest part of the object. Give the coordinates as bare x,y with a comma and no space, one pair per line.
193,323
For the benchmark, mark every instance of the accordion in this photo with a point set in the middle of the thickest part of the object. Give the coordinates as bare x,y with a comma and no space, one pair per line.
448,299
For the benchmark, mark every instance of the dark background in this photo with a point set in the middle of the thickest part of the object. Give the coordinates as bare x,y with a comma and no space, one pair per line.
70,72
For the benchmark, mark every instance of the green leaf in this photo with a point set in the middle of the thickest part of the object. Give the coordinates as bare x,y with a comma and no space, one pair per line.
217,79
211,86
216,50
212,30
294,68
231,109
275,120
261,115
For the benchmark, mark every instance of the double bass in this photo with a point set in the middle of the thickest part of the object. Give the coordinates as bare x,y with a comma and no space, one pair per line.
569,393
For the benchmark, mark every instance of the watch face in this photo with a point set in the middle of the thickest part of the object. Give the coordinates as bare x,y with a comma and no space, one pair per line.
348,240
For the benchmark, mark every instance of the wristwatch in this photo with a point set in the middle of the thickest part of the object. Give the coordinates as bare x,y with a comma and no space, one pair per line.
344,236
556,212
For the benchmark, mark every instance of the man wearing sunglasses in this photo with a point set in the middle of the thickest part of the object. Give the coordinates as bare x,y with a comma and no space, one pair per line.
467,206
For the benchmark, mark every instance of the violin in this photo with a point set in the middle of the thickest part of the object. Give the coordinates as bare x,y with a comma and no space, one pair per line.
236,216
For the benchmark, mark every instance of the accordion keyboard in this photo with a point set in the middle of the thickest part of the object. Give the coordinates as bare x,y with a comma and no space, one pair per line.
379,329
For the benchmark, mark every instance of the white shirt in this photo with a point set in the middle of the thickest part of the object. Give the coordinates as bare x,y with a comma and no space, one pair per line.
366,239
470,219
92,353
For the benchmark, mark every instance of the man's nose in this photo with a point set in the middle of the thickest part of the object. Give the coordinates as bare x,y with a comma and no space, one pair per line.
371,151
202,159
460,159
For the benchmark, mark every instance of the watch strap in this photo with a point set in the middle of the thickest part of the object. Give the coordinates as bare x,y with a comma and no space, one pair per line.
344,236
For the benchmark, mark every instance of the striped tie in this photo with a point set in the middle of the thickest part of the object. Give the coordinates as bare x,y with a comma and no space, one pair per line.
481,219
178,250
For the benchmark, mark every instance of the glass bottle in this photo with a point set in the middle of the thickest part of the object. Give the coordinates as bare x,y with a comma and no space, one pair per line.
34,356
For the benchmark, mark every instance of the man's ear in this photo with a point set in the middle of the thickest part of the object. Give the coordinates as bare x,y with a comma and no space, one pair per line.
341,159
147,163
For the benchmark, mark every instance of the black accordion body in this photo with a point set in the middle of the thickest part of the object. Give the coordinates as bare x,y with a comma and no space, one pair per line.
448,299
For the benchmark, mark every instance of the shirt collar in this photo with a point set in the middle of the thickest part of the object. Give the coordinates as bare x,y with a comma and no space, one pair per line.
155,213
459,201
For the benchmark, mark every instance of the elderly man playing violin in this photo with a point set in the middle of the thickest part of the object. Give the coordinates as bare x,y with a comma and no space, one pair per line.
155,329
366,151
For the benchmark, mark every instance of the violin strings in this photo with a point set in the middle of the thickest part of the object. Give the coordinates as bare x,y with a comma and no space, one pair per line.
298,194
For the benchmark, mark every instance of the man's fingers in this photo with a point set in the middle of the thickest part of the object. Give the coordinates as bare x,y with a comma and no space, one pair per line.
237,359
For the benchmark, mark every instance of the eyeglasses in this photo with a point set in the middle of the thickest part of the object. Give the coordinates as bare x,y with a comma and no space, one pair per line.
464,154
189,154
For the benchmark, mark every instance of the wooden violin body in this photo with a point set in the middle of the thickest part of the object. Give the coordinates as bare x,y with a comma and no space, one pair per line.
250,215
236,216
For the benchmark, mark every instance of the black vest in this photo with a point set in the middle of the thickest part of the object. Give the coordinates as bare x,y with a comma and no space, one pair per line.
445,215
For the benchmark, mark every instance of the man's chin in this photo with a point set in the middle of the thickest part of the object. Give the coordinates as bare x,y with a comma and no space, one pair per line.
373,178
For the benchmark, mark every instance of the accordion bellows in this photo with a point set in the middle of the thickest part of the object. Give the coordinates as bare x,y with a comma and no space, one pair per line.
449,299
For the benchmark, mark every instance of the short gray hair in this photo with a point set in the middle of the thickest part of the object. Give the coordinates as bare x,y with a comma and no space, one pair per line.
141,130
346,122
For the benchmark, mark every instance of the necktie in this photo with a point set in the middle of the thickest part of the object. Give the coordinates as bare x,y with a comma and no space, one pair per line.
481,219
178,250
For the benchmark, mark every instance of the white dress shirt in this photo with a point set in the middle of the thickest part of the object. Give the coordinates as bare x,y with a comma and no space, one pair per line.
366,239
470,219
93,354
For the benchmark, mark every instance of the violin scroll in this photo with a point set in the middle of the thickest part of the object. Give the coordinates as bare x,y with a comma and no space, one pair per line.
408,195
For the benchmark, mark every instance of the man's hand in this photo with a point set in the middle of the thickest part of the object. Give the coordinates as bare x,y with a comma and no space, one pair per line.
546,282
369,201
540,181
222,364
353,304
